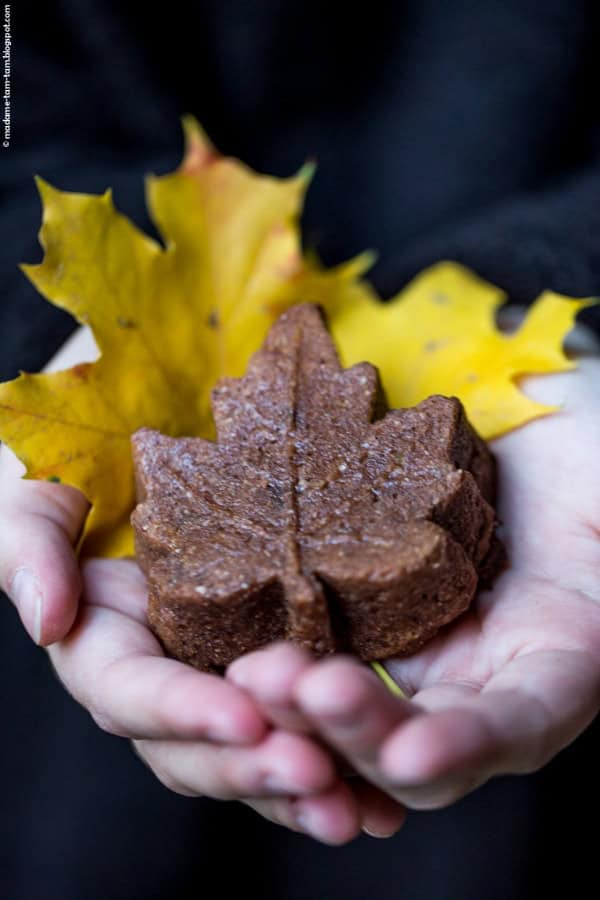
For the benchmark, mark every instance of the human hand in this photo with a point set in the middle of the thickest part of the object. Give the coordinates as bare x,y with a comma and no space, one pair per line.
198,733
511,682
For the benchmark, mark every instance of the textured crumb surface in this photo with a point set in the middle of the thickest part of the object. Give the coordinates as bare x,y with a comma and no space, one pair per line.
317,516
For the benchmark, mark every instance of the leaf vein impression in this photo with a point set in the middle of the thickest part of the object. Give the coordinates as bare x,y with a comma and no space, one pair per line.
293,455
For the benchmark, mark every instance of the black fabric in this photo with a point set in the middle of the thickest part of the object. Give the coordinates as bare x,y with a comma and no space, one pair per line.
466,130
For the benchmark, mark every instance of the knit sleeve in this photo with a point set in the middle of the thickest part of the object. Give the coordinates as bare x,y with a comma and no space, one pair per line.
534,241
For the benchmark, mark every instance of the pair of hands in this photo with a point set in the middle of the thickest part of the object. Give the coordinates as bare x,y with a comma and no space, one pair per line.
501,690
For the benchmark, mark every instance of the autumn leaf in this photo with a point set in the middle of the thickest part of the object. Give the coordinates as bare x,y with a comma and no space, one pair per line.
169,320
315,518
439,335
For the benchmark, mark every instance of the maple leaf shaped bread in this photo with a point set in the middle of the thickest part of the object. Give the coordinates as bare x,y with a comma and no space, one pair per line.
317,517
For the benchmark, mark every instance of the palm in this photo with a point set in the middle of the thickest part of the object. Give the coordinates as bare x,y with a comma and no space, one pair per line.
546,603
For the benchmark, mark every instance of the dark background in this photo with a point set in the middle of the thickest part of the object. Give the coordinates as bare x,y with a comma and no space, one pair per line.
461,130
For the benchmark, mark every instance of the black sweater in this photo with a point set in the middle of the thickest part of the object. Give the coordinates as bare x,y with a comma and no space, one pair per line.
464,129
460,129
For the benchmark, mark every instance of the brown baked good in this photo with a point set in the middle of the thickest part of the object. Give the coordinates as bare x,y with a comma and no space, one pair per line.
317,516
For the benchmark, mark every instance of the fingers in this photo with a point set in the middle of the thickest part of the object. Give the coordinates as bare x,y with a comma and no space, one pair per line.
437,758
333,817
347,705
280,764
270,675
452,737
351,709
39,521
114,666
138,695
526,713
381,815
337,816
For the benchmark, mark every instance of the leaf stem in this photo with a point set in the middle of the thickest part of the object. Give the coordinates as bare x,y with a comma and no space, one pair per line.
388,680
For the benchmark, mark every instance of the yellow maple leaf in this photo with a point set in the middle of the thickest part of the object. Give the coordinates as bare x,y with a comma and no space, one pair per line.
170,320
439,335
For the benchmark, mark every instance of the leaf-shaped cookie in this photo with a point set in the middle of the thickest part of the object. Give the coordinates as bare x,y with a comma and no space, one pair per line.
317,517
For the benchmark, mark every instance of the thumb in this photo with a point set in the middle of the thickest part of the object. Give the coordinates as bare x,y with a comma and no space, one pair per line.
39,524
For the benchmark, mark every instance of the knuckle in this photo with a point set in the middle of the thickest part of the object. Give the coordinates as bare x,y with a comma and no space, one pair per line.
529,759
275,810
168,780
235,781
169,695
94,700
439,796
161,770
228,785
105,721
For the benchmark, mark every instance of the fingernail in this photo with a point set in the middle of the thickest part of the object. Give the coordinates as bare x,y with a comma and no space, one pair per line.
27,597
235,673
376,834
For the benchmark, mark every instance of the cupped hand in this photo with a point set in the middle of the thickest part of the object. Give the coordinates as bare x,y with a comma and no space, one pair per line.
511,682
198,733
